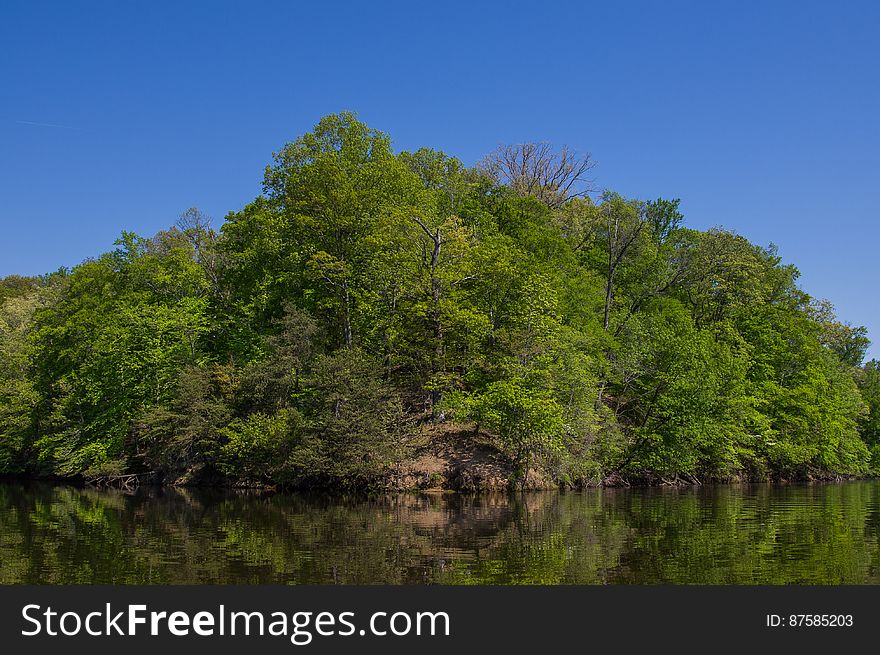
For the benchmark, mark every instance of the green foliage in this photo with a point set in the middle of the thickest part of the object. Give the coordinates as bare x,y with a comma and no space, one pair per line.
18,392
256,448
355,423
685,397
182,434
368,291
868,380
336,189
17,286
528,421
111,348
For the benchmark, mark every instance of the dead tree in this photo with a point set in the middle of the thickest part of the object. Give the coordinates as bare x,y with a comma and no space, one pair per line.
536,169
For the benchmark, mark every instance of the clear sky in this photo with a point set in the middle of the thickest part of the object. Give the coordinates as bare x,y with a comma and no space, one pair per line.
761,116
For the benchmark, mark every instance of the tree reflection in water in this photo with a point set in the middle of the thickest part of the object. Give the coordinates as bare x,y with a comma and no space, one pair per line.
817,534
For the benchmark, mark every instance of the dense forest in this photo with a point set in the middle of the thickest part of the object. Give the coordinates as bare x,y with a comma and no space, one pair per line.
381,319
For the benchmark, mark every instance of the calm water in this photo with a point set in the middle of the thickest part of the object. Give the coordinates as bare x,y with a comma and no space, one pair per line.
818,534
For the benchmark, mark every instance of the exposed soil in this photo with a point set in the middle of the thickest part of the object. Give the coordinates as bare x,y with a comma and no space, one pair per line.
456,457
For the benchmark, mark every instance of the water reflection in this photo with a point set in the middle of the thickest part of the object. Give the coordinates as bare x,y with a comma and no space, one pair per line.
819,534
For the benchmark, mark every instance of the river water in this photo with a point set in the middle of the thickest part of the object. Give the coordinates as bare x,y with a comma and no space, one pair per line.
749,534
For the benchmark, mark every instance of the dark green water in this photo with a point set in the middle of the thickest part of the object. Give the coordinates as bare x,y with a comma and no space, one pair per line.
818,534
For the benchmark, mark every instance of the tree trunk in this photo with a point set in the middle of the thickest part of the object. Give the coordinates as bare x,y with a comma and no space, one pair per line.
436,322
608,296
437,364
346,316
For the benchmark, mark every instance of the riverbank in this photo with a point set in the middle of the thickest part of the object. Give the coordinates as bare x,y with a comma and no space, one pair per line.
447,457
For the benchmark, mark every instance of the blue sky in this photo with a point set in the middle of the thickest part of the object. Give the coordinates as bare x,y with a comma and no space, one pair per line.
761,116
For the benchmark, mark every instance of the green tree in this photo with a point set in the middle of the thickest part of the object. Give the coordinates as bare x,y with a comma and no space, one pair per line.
18,392
528,421
336,188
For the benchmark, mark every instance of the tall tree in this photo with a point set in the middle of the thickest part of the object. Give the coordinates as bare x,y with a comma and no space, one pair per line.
337,187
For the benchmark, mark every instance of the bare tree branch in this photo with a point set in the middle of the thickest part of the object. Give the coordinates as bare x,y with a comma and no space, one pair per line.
536,169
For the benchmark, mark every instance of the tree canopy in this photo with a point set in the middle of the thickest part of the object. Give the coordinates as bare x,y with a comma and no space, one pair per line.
367,294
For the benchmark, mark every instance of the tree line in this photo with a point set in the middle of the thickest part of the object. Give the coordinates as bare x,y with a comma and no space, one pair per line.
367,294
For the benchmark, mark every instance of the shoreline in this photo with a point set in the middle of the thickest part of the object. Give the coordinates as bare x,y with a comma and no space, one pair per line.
511,487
